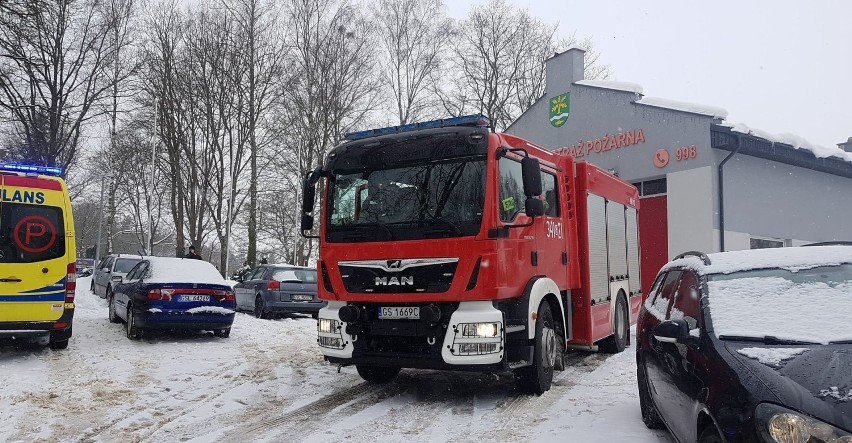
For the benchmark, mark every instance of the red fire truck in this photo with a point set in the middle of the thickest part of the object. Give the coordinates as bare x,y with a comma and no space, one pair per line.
446,246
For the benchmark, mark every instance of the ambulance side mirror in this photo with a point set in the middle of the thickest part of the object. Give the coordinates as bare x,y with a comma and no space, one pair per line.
531,173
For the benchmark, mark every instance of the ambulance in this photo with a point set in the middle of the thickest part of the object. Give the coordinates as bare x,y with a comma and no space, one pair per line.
37,255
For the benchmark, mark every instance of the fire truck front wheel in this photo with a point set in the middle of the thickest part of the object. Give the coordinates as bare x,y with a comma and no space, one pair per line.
537,378
377,374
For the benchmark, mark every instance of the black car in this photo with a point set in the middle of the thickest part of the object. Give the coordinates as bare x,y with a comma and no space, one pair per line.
749,346
275,289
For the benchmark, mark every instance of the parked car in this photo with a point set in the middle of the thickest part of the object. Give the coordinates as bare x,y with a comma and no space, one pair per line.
172,293
749,346
110,270
275,289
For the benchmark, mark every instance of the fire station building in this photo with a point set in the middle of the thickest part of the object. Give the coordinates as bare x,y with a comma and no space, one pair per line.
706,185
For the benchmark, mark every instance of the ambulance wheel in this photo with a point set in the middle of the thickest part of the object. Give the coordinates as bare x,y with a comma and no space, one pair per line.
113,317
537,377
58,340
133,331
377,374
620,337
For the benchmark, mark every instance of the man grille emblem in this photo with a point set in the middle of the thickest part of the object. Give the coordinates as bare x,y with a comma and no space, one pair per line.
394,264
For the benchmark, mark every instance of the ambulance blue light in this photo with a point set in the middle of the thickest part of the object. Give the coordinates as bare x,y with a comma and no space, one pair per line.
466,120
45,170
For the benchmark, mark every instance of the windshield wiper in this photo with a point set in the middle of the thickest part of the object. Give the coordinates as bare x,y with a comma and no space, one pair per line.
840,342
452,226
766,339
381,226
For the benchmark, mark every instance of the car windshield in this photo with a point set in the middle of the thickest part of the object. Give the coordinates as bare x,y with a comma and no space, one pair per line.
807,305
295,275
434,199
124,265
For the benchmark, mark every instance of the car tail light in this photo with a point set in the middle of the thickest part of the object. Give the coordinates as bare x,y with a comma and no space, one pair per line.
71,283
224,295
273,284
160,294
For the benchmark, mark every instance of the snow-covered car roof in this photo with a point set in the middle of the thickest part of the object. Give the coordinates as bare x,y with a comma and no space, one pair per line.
182,270
793,259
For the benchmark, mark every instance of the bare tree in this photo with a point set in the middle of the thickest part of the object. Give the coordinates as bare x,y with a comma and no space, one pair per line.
499,62
54,67
412,36
331,88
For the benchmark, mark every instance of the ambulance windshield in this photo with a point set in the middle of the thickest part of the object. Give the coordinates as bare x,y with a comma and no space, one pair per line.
30,233
439,198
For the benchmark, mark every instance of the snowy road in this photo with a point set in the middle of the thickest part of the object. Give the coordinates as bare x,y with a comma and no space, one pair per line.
267,382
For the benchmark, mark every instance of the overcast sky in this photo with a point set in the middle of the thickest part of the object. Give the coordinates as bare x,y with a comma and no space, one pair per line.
780,66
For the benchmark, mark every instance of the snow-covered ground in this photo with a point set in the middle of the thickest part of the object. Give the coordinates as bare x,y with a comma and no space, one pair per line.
268,383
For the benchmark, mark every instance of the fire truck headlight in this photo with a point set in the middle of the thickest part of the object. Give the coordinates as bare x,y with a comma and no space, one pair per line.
327,325
480,330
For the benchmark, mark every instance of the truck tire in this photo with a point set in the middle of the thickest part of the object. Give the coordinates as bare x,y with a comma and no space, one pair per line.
377,374
537,377
616,342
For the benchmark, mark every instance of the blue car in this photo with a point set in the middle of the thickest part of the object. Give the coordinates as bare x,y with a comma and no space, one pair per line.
173,293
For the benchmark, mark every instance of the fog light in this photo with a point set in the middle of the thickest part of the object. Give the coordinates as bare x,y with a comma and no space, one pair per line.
480,330
327,325
476,348
330,342
349,313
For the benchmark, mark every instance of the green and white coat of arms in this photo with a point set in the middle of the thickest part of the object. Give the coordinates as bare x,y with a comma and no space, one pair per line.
559,108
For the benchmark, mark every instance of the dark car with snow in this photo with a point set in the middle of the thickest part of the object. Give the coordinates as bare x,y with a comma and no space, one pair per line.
275,289
173,293
749,346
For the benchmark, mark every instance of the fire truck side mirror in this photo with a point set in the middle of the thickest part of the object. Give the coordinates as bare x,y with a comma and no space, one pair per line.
308,196
307,222
534,207
531,172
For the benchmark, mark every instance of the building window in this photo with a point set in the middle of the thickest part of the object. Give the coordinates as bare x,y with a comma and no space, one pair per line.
651,187
764,243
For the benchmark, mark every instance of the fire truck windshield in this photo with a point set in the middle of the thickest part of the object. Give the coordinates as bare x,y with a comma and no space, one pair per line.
441,198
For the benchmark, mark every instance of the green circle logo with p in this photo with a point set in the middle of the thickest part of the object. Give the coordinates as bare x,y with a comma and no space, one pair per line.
559,108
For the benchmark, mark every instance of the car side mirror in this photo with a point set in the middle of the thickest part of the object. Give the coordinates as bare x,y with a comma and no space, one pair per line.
672,331
117,278
105,269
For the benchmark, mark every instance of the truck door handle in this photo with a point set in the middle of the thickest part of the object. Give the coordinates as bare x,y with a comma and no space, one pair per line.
10,280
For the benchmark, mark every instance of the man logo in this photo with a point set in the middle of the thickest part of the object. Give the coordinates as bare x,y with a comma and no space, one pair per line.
394,281
394,264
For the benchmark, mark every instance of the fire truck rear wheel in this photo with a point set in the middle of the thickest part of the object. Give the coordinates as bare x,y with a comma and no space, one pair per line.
537,378
377,374
616,342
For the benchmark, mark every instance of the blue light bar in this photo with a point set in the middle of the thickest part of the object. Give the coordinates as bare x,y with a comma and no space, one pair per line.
45,170
466,120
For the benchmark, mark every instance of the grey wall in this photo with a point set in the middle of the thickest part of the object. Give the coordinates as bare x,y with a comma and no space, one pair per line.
596,112
771,199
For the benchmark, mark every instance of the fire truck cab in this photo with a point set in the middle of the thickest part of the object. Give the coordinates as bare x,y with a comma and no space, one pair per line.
446,246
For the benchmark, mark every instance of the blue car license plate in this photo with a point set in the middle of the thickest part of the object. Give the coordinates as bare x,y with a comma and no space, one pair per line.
195,298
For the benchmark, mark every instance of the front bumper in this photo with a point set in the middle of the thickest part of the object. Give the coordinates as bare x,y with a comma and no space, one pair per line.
413,343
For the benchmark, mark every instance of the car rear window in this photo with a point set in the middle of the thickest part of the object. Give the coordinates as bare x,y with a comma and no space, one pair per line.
31,233
295,275
124,265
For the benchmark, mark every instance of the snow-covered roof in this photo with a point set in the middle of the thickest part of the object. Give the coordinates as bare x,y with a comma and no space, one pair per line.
182,270
793,259
712,111
792,140
617,86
